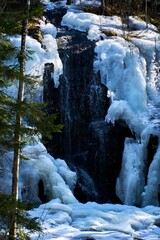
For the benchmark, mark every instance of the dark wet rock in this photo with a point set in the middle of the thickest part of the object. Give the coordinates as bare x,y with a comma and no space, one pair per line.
91,147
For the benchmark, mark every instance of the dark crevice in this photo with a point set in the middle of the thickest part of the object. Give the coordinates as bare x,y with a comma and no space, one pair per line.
41,192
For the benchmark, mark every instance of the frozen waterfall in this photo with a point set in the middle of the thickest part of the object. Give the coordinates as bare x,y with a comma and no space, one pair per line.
129,67
130,70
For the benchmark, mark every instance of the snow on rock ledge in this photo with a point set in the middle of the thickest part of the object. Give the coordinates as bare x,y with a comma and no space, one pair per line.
41,54
42,177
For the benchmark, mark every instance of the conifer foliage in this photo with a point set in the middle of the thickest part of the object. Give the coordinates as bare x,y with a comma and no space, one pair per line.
17,111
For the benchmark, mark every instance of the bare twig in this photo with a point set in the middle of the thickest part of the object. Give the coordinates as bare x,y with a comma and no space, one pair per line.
2,5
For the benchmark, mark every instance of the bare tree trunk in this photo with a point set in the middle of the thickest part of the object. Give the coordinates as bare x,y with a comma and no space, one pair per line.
17,138
146,12
3,4
102,3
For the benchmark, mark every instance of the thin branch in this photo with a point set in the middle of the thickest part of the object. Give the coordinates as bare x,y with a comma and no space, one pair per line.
3,5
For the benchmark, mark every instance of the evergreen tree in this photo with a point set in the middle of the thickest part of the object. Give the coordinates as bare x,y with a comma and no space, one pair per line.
18,124
14,110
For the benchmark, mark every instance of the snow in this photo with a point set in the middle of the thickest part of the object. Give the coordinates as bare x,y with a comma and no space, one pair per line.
75,4
88,22
46,52
115,58
120,110
97,221
53,5
57,178
48,28
63,217
134,160
135,23
52,56
128,63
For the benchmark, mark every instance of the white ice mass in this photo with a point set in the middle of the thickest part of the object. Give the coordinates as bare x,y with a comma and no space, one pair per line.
42,53
130,70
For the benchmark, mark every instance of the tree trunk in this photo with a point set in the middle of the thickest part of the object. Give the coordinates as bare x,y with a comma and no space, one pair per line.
103,3
2,5
146,12
17,138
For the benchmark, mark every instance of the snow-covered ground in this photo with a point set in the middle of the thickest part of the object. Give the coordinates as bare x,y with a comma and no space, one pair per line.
129,66
96,221
63,217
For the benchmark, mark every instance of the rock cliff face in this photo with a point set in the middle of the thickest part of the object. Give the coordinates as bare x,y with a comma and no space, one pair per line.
90,146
